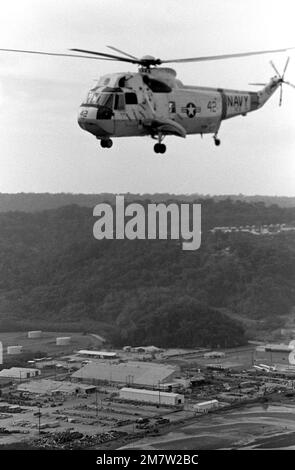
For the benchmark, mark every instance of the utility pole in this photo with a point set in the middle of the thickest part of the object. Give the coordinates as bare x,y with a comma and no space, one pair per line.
96,401
39,420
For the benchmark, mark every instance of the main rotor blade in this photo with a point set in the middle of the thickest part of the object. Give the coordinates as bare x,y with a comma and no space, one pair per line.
224,56
274,67
122,52
291,84
52,53
108,56
285,68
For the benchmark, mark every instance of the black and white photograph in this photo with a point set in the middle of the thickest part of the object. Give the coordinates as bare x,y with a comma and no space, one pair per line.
147,229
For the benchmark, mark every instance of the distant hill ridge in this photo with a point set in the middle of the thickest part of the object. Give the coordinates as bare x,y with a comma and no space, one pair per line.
33,202
140,292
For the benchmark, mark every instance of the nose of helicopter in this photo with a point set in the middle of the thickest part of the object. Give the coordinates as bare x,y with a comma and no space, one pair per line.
92,120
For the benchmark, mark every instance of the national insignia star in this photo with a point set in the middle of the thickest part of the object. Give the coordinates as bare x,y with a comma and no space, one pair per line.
191,110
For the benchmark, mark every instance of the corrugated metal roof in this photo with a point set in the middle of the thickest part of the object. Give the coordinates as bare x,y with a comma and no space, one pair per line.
278,347
51,386
142,391
97,353
140,373
17,370
204,403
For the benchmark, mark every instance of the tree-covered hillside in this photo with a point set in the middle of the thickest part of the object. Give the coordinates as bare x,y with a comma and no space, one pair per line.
32,202
54,273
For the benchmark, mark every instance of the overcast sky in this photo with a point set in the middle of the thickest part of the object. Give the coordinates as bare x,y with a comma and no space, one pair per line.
42,147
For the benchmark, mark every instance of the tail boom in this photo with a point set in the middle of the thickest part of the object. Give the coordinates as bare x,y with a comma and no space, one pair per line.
268,91
239,103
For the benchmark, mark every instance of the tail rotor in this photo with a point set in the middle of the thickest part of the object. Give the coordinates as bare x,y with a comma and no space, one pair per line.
286,65
275,69
280,77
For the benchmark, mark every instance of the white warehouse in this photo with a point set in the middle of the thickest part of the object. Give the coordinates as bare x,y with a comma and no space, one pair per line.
97,354
20,372
144,374
151,396
205,406
214,354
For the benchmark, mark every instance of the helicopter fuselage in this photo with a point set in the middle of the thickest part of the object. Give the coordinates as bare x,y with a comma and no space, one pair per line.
153,102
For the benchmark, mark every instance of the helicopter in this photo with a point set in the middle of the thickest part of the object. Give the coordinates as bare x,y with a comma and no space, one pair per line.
154,102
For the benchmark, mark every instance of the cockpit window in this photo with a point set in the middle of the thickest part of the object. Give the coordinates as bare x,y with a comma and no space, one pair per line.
106,99
92,97
131,98
102,99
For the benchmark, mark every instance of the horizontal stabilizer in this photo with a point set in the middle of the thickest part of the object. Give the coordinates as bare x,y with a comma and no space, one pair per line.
258,84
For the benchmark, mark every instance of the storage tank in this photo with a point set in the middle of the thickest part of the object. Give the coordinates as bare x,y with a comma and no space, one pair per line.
35,334
63,341
14,349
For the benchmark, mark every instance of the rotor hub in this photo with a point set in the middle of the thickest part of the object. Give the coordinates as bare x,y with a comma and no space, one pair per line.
148,60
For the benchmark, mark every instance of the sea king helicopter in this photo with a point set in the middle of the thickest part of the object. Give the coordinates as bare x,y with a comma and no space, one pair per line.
153,102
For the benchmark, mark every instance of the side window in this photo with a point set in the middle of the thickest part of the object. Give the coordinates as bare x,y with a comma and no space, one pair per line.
130,98
119,102
172,107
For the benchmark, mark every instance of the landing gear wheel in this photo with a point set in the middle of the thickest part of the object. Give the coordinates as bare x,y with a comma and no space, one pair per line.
106,143
157,148
217,141
160,148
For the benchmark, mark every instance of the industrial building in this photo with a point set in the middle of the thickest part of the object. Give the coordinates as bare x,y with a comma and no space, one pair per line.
169,386
143,349
214,354
45,364
151,396
14,349
205,406
55,387
142,374
63,341
97,354
35,334
20,372
275,354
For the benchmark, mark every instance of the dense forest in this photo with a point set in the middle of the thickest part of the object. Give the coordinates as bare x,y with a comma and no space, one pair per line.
53,273
32,202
